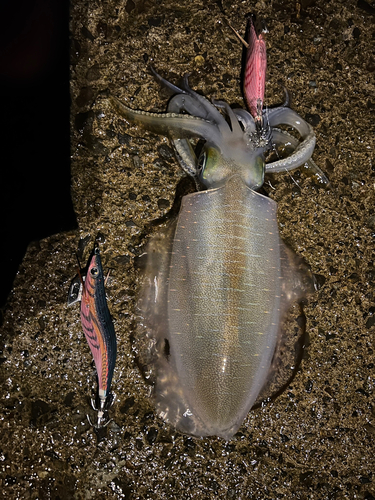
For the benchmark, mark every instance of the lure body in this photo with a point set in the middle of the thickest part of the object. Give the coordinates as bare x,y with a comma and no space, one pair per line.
98,328
219,281
255,72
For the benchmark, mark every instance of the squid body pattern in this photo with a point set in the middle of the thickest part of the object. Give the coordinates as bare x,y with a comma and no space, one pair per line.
220,281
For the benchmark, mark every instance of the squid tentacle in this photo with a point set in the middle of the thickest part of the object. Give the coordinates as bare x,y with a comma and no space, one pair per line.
281,137
171,86
246,119
169,124
237,138
194,102
195,105
235,126
287,116
303,150
300,156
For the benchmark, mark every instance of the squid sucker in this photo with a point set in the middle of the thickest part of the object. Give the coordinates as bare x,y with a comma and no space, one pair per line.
219,281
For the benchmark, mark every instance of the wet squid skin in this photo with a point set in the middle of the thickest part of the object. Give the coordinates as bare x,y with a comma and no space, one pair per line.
220,280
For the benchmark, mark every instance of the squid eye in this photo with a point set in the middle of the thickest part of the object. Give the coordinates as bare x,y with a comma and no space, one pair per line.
258,172
209,166
209,161
259,164
202,160
94,272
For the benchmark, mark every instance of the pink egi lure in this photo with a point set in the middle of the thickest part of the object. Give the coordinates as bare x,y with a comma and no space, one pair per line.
255,73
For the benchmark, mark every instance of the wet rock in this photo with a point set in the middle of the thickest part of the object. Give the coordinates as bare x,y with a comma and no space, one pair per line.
60,455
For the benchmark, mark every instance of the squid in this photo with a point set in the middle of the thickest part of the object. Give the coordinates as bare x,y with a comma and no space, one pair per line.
219,281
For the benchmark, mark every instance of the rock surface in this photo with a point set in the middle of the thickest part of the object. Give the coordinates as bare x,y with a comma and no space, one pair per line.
315,440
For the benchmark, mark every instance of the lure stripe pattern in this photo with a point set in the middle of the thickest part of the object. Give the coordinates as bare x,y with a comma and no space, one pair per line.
97,324
255,72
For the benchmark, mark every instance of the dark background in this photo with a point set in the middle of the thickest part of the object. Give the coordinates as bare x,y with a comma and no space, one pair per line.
34,87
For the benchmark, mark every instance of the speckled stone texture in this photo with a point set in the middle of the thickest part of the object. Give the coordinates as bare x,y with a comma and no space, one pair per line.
316,440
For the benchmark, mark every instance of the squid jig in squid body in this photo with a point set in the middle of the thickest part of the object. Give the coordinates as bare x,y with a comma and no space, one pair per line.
218,284
98,328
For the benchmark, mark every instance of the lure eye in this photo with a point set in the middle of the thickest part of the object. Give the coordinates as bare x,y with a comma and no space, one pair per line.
94,272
